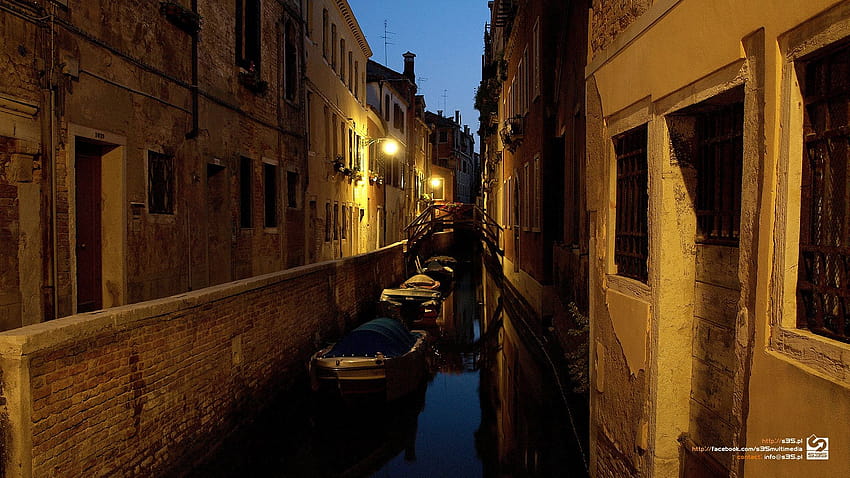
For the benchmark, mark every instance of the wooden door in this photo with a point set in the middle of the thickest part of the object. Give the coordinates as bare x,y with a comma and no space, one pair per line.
88,222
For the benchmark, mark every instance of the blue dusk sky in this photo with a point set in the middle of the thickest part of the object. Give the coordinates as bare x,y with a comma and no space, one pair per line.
447,37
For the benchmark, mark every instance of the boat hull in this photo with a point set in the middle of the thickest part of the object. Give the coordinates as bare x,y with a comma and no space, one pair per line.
352,377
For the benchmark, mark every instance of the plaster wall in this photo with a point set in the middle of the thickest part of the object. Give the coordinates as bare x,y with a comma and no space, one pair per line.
674,55
334,97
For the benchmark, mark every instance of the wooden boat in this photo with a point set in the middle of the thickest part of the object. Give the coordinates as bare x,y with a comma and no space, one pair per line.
411,305
379,358
421,281
438,271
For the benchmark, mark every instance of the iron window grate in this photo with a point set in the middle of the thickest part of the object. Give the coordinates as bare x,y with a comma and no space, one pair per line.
823,284
631,243
720,151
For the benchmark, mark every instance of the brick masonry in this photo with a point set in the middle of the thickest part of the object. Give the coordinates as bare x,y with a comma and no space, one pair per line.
145,389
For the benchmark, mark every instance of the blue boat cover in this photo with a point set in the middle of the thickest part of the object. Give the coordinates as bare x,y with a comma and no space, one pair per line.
388,336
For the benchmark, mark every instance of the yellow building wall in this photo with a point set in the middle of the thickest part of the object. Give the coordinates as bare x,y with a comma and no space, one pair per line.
328,90
677,54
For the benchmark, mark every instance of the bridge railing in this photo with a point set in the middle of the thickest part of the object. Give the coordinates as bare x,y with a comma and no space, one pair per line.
439,217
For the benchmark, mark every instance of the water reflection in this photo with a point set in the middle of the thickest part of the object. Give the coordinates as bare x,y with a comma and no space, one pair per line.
488,410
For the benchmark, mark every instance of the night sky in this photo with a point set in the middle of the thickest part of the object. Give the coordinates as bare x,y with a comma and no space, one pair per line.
447,37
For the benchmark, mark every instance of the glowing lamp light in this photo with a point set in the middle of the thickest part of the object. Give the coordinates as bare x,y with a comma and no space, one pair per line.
390,146
436,182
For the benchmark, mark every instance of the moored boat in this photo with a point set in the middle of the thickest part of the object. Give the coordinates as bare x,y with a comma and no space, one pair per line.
420,281
381,358
413,305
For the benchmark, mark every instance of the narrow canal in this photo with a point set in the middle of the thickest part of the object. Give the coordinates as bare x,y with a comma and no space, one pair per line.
489,409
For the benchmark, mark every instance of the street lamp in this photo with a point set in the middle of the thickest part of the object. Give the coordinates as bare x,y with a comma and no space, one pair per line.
389,147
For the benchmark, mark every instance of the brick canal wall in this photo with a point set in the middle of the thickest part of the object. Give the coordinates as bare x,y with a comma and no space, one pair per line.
145,389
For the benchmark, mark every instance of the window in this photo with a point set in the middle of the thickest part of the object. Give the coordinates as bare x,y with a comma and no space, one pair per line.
342,59
344,229
720,152
536,208
357,80
823,288
270,197
631,243
290,63
248,34
291,189
332,47
351,71
536,56
308,17
350,148
505,203
327,222
444,136
246,197
160,183
336,221
308,112
398,117
325,33
386,107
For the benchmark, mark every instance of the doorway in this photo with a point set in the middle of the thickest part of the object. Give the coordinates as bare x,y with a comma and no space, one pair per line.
218,226
87,194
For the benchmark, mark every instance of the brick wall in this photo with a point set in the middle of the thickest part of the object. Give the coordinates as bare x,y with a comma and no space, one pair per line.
149,388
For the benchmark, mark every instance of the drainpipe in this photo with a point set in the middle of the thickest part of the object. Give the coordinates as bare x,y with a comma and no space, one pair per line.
51,157
195,128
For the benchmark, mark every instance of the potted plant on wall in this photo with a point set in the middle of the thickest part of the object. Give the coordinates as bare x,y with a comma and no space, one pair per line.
250,78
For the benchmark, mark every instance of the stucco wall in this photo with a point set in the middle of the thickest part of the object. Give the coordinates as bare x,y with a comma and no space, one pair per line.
144,389
783,382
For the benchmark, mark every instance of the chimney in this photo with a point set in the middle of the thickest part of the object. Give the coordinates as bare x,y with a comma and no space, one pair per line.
457,117
440,112
408,67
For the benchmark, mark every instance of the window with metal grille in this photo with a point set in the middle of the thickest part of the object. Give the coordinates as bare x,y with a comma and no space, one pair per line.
246,197
160,183
631,243
270,197
823,284
720,152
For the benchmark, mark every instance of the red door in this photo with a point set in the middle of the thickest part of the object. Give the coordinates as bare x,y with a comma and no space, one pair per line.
87,193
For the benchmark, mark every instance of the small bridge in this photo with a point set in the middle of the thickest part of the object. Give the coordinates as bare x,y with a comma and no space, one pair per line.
455,216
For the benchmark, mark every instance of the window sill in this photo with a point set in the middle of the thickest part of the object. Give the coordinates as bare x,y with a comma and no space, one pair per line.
808,352
270,230
628,286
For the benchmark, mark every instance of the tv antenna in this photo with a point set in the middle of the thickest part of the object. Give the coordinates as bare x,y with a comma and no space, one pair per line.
387,36
445,96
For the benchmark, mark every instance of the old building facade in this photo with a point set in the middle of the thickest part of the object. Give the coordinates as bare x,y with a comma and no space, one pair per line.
339,193
715,196
147,150
454,161
531,104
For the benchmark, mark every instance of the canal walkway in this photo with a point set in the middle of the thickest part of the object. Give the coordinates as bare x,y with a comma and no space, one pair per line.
489,408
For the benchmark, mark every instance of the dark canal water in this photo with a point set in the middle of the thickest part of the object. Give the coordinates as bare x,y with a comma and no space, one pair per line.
489,409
